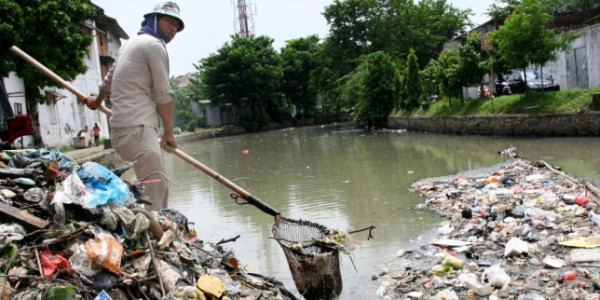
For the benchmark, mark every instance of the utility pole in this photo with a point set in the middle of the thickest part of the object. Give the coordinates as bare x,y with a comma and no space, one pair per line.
243,22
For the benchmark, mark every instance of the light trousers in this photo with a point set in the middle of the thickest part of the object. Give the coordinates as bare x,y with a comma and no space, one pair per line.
140,144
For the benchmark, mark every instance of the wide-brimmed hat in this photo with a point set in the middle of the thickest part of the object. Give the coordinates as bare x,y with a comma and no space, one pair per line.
168,8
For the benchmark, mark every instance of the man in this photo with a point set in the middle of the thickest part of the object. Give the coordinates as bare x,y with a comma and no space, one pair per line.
140,93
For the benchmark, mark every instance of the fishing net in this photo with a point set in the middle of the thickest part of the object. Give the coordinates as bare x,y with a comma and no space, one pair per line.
312,257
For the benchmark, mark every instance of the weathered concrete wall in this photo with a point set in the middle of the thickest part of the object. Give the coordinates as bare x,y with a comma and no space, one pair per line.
565,124
209,133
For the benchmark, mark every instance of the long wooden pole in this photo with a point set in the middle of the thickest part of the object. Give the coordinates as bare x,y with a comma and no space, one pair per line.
55,77
80,95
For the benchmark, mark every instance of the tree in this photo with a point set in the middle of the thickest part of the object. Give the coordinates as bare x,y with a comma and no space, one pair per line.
361,27
524,38
447,68
501,9
351,23
378,93
184,116
324,79
429,81
247,73
472,65
439,22
411,87
298,61
53,32
567,6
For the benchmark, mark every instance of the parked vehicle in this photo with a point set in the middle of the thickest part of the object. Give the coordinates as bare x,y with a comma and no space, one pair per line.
502,86
536,80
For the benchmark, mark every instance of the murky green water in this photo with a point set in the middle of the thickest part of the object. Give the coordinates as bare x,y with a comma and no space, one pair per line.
343,179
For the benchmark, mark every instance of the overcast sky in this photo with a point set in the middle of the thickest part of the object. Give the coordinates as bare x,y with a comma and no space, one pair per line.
210,23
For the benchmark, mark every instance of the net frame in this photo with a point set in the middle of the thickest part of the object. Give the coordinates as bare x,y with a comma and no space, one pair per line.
314,263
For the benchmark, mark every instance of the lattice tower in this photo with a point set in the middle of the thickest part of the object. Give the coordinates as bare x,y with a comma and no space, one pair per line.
243,21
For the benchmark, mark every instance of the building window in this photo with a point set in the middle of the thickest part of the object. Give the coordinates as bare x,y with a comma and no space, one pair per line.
18,109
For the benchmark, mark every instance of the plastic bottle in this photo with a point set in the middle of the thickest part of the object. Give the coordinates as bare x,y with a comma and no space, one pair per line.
550,198
582,199
594,218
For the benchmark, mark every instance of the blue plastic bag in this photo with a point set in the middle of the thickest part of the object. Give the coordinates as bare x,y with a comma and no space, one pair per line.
103,185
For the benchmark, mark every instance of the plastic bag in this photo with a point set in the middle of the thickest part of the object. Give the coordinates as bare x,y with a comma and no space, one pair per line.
106,252
496,276
103,185
52,262
72,190
82,264
10,233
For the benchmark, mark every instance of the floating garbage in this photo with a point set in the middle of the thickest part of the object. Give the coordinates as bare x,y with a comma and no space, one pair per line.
519,230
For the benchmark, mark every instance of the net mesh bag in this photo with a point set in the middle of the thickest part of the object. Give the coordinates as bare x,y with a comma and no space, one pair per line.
314,264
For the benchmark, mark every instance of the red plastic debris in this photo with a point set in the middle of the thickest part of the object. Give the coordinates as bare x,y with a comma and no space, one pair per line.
570,276
52,262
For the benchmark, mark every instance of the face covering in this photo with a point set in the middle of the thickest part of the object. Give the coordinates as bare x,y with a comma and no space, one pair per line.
150,26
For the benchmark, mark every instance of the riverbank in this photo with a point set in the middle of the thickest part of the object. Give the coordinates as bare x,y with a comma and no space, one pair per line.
520,230
536,125
107,156
540,125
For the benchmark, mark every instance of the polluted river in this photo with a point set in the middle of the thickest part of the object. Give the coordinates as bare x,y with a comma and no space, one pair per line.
345,179
454,217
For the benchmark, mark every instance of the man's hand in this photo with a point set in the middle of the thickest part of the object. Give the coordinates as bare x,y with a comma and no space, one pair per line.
94,103
91,102
169,140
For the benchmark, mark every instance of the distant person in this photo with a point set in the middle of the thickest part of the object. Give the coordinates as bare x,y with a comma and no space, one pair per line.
140,93
83,132
484,91
96,131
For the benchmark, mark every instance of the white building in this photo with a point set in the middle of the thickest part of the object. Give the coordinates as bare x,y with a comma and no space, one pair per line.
64,115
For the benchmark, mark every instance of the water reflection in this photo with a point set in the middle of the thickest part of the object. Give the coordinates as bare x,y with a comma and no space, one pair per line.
343,179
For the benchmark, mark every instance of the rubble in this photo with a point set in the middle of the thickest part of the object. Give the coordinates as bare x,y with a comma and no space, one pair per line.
72,231
512,231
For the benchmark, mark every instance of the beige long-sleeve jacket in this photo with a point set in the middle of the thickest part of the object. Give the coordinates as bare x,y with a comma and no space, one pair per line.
138,81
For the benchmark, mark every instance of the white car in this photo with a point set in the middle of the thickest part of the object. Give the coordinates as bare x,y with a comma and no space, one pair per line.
536,80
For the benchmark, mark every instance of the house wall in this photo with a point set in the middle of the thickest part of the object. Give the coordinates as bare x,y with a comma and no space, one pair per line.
594,54
16,95
579,68
213,116
114,43
16,91
60,121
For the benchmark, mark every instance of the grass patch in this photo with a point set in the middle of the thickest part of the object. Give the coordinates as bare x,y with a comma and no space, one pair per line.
532,102
68,148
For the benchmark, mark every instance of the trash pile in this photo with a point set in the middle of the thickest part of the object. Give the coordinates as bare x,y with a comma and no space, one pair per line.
70,231
518,230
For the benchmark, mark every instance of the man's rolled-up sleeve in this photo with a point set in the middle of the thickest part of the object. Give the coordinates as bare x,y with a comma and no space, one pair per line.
158,61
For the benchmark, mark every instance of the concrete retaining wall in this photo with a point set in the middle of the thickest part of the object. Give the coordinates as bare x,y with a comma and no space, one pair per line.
565,124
